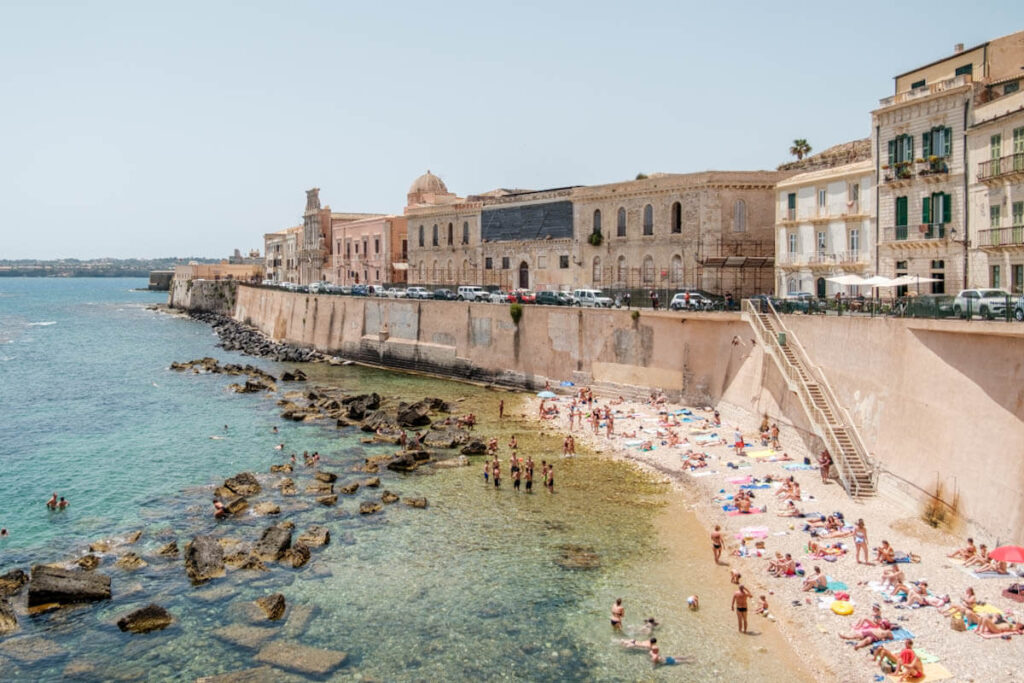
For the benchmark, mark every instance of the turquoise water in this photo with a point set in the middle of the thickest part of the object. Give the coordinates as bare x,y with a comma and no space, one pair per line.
468,589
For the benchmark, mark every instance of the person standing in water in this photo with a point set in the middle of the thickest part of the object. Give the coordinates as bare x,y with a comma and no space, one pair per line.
501,409
618,613
550,483
496,472
52,503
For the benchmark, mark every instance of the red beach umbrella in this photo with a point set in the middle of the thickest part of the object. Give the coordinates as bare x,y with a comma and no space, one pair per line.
1008,553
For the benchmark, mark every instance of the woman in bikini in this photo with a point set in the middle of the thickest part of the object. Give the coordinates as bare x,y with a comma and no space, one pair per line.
860,540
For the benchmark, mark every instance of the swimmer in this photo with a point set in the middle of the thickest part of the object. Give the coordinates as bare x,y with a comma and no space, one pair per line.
62,504
218,509
52,503
3,533
618,612
274,430
693,602
279,447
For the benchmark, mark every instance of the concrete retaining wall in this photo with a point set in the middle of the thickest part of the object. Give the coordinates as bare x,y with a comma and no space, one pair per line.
217,296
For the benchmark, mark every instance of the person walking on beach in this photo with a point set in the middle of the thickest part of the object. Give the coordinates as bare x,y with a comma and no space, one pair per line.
618,613
550,483
860,540
775,437
609,421
496,472
739,605
738,441
501,409
487,470
716,544
572,445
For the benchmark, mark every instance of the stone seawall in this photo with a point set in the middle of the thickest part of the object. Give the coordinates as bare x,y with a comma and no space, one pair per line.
213,296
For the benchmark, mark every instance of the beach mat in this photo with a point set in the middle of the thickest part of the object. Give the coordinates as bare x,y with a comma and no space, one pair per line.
756,486
705,473
753,511
740,480
932,672
761,453
834,585
799,466
985,575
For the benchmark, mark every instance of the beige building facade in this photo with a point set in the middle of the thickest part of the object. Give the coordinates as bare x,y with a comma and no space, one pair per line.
281,254
371,251
825,228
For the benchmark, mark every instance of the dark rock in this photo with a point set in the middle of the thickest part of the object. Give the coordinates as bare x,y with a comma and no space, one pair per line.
130,562
150,618
379,419
447,438
368,507
236,504
387,497
438,404
204,559
371,483
315,535
66,587
169,550
273,543
272,605
403,463
298,555
413,415
419,455
295,375
8,620
88,562
302,658
12,582
328,500
578,557
326,477
416,502
243,484
474,447
287,469
267,508
349,489
319,488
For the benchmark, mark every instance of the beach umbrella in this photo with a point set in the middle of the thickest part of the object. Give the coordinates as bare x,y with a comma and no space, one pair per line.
1008,553
546,394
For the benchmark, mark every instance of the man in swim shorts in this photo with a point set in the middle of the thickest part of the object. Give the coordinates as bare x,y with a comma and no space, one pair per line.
618,612
716,544
739,605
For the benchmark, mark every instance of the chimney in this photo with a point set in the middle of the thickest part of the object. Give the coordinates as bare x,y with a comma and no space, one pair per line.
958,48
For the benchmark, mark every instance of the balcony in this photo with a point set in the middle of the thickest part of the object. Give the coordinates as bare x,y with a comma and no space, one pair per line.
822,259
926,91
997,238
1010,167
916,236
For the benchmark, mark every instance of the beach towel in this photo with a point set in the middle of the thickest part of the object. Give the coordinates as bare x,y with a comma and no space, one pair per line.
985,575
987,609
799,466
834,585
633,442
752,532
925,656
753,511
756,486
703,473
740,480
932,672
761,453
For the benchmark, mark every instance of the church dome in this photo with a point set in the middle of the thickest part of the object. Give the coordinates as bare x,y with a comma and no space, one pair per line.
428,183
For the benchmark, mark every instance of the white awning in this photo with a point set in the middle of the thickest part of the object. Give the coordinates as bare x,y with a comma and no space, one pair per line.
400,266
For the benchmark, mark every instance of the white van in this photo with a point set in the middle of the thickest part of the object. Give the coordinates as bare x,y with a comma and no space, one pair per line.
472,293
417,293
591,297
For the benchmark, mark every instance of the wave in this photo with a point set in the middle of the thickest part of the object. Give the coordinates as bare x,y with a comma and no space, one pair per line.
43,324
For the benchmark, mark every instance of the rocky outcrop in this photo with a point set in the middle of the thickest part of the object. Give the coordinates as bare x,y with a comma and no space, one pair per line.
413,414
416,502
474,447
12,582
243,484
235,336
8,620
150,618
387,497
446,438
272,605
130,562
204,559
403,463
295,375
315,535
379,419
272,544
66,587
288,488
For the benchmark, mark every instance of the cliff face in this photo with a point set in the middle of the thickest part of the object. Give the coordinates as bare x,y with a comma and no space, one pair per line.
845,153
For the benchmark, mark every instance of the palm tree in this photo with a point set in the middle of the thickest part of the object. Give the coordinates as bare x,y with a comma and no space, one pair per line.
800,148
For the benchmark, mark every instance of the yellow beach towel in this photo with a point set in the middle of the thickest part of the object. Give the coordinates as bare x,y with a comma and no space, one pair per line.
761,453
987,609
932,672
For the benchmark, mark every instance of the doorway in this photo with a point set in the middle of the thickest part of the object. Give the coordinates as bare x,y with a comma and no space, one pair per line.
524,276
821,288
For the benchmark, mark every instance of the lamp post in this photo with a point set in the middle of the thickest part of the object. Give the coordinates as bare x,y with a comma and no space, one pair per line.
966,242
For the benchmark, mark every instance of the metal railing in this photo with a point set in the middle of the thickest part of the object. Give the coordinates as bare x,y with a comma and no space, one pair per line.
925,91
1001,237
915,233
794,373
993,168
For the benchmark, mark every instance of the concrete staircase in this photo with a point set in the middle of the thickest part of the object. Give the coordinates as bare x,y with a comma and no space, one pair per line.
831,422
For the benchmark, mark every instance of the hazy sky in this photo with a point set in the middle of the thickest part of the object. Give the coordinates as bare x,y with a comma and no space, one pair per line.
178,128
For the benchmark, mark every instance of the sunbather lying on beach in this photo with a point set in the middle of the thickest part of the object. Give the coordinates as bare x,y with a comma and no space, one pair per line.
979,559
990,627
966,604
867,636
919,596
994,566
791,510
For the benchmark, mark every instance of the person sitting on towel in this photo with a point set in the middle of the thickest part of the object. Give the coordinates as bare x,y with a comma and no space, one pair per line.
816,581
966,552
885,554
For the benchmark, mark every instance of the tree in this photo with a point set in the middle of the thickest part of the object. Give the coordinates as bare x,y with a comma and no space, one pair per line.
800,148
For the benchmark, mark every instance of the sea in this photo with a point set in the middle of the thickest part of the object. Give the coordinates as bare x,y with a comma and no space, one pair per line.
472,588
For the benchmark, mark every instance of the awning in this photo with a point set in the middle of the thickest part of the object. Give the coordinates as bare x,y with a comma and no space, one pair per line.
400,266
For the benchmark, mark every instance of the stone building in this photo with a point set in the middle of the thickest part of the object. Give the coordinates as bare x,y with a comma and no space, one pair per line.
315,241
825,228
995,143
371,251
710,230
281,254
919,136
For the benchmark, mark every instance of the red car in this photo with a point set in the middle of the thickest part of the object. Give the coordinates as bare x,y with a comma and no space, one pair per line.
523,295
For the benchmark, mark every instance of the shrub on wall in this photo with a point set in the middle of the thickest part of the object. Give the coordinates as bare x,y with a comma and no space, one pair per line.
516,311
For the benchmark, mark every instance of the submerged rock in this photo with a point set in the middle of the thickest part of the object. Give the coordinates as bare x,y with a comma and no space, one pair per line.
8,620
169,550
578,557
249,637
88,562
66,587
272,544
130,562
474,447
302,658
315,535
150,618
204,559
12,582
272,605
282,468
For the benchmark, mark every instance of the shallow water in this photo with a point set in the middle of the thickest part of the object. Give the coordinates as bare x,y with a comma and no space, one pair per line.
468,589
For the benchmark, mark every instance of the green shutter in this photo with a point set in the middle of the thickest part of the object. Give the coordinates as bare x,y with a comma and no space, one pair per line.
926,144
926,210
892,152
947,208
901,211
947,143
910,148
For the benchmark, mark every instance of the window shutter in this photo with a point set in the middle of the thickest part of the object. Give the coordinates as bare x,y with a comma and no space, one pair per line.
926,144
892,152
947,208
926,210
901,211
947,143
910,148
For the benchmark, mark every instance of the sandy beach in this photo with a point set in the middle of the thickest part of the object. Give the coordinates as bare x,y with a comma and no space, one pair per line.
806,619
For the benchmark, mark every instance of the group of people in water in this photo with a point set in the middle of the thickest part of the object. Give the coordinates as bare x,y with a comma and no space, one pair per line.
55,504
520,470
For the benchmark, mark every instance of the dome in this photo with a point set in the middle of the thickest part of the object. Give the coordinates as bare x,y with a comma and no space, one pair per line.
428,183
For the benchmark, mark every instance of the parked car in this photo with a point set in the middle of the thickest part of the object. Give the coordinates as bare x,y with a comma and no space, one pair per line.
929,306
1018,309
500,297
988,303
689,300
592,297
269,283
374,290
396,293
316,287
417,293
524,296
803,302
358,290
444,294
551,298
472,293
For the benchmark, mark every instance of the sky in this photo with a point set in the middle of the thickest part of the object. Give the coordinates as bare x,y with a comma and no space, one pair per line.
152,129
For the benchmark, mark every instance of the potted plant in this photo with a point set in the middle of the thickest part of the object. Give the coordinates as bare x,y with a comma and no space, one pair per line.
595,239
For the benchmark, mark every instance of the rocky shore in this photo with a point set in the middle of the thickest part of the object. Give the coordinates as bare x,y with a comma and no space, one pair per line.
236,336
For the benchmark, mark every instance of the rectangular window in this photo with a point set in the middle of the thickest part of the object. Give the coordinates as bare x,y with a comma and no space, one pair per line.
376,245
488,263
917,84
994,277
966,69
822,199
792,243
1017,277
901,216
822,242
791,206
563,261
405,249
994,216
1011,87
1018,140
854,240
504,262
855,193
1018,214
926,210
542,261
348,250
357,248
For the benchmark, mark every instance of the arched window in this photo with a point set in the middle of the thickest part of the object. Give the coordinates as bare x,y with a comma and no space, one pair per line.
433,272
451,234
739,216
677,217
465,270
648,270
620,225
421,235
465,232
597,270
434,237
648,220
622,272
597,221
451,272
793,285
676,272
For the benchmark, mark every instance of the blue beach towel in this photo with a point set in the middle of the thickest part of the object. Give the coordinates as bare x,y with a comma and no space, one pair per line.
834,585
756,486
798,466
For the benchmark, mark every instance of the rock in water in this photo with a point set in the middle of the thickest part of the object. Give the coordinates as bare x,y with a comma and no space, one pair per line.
130,562
327,477
403,463
243,484
387,497
315,535
65,587
416,502
273,543
368,507
281,468
8,620
150,618
319,488
236,504
474,447
414,415
349,489
372,482
328,500
169,550
12,581
88,562
204,559
298,555
267,508
272,605
301,658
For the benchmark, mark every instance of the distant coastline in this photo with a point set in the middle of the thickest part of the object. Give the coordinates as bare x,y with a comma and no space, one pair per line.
102,267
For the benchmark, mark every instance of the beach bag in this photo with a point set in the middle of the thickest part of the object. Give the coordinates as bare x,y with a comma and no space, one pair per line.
841,595
956,622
